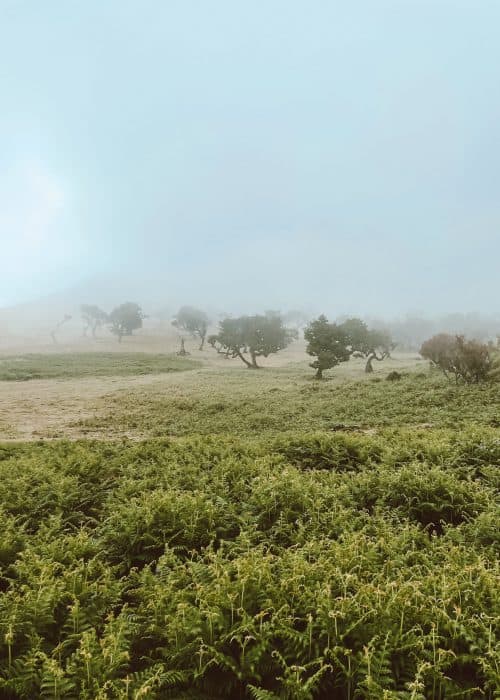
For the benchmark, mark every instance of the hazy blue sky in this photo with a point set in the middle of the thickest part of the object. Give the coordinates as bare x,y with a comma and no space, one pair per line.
344,155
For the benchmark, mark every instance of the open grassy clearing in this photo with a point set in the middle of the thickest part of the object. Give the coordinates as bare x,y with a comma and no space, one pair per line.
272,401
55,408
88,364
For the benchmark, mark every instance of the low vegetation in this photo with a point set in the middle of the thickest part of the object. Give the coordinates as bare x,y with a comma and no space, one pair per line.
308,566
90,364
276,401
262,537
467,361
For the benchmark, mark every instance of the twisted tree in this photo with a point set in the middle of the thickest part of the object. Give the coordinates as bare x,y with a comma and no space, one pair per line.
192,321
125,319
251,337
371,344
333,343
58,325
93,317
328,343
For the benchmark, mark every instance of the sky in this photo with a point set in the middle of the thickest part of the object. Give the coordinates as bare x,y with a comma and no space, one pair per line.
268,154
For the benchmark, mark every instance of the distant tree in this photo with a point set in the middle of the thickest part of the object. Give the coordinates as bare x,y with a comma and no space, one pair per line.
296,319
213,341
125,319
252,336
53,332
469,361
182,352
357,334
94,318
192,321
328,343
372,344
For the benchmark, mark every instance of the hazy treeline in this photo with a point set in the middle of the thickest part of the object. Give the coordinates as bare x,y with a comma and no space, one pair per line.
411,331
407,332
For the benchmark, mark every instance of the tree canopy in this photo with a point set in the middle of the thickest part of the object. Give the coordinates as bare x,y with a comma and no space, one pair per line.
328,343
250,337
193,321
125,319
333,343
94,318
365,340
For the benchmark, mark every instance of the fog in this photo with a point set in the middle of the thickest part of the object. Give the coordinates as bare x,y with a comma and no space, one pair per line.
328,156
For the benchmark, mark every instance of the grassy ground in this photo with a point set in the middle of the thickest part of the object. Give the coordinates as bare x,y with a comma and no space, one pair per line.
243,402
77,365
261,536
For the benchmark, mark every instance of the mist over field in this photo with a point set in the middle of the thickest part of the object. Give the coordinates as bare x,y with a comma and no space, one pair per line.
339,157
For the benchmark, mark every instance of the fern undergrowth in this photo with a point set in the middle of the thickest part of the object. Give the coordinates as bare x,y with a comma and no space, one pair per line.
305,566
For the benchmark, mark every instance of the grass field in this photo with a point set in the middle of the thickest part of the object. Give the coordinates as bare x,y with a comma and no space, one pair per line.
88,364
225,533
247,403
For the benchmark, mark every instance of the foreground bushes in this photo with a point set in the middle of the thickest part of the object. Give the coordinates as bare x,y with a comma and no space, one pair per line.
313,566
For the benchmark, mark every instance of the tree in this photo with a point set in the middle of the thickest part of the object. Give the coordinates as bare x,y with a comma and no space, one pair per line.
255,336
372,344
467,360
192,321
58,325
94,318
381,346
125,319
328,342
357,334
182,352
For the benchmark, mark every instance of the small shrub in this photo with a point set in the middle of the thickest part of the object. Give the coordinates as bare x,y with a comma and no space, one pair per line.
467,360
338,453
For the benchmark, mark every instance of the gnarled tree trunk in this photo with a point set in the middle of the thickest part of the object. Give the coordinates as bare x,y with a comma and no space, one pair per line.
182,352
373,356
254,364
239,354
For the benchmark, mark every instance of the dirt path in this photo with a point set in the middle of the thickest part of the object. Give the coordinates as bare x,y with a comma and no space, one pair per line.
51,408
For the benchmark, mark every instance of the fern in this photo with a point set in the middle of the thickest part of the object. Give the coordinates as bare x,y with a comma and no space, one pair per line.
261,693
218,567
